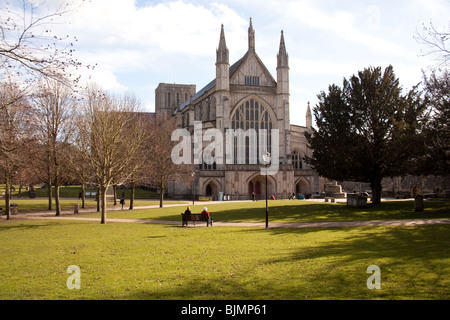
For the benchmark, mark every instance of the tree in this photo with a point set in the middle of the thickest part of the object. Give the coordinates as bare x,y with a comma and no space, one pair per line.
111,140
437,132
436,43
28,47
367,130
53,115
436,159
14,134
139,168
79,161
161,168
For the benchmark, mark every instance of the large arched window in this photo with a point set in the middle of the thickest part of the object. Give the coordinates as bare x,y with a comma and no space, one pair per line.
251,116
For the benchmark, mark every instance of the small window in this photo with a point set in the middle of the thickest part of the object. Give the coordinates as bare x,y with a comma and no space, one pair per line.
297,160
251,81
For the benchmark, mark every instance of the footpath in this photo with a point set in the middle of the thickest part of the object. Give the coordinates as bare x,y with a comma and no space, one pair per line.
334,224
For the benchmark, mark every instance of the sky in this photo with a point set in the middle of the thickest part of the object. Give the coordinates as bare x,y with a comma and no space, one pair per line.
137,44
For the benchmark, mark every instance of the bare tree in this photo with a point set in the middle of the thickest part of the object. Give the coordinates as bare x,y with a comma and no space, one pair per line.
161,169
111,138
53,115
436,43
14,134
28,46
138,171
78,161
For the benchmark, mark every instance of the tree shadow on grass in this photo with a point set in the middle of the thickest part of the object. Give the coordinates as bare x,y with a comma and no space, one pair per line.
412,261
25,226
321,212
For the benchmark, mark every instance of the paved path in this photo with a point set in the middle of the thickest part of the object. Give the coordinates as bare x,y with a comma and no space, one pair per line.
335,224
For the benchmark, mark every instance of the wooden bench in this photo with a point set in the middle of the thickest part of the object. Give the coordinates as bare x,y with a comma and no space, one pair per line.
330,198
195,217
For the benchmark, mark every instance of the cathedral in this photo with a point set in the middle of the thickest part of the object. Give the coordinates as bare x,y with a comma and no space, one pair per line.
242,96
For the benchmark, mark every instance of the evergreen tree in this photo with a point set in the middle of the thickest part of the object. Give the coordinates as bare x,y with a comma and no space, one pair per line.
436,160
367,130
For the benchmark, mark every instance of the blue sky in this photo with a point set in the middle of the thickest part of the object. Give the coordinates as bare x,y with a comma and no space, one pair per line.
138,44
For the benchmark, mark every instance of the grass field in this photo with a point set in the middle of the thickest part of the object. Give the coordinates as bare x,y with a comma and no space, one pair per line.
41,205
73,192
141,261
292,211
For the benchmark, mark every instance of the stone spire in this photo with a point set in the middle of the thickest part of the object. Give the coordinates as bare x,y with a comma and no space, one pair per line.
282,68
282,57
222,64
308,117
222,51
251,37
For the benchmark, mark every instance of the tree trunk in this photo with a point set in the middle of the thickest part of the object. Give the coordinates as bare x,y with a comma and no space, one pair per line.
83,195
97,198
102,197
133,187
49,193
161,196
57,202
7,202
115,194
376,190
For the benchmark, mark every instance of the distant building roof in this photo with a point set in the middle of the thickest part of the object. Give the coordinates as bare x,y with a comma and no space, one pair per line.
210,85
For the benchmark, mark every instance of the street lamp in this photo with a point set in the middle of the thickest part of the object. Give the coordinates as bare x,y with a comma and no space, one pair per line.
266,158
193,187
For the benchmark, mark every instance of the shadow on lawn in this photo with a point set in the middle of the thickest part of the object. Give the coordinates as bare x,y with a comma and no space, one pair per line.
411,261
321,212
26,226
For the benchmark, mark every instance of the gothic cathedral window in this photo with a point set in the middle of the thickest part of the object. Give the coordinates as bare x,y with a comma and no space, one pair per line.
297,160
251,116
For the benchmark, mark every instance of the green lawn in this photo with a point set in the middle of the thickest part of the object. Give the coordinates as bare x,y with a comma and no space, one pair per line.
293,211
73,192
141,261
41,205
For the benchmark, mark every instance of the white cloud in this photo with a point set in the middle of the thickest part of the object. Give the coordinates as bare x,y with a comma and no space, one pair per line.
177,26
359,27
122,37
103,77
137,44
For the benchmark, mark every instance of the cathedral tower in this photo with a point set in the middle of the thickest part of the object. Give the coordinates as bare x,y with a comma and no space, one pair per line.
222,64
251,37
282,68
308,117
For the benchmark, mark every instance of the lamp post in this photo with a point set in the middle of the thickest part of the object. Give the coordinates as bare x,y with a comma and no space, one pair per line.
266,158
193,187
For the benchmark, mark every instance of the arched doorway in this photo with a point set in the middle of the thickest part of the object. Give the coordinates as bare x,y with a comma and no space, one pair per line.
258,186
211,189
303,187
208,190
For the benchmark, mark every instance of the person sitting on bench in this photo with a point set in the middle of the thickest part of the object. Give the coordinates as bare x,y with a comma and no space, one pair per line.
205,212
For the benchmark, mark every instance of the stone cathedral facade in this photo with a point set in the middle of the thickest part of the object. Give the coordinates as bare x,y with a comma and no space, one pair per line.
243,95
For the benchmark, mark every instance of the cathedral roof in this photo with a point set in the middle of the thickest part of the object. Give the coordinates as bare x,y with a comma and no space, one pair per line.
210,85
222,57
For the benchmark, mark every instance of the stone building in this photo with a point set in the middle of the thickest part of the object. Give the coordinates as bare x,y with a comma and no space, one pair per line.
244,96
